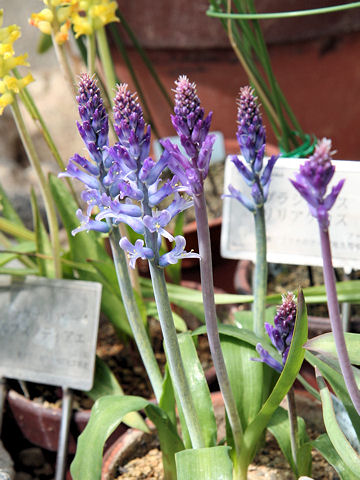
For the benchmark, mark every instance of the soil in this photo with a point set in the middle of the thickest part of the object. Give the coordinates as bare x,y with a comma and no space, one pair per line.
269,463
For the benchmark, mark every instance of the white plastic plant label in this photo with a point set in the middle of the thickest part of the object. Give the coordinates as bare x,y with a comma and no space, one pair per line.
292,233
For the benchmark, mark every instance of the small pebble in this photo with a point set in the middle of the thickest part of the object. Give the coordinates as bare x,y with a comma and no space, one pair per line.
32,457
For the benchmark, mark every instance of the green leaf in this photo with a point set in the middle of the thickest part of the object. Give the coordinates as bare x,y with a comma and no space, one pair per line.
17,231
325,447
170,442
330,369
167,400
246,376
44,44
336,436
151,310
285,381
105,383
7,210
204,464
348,291
279,426
199,389
106,415
22,248
43,244
325,344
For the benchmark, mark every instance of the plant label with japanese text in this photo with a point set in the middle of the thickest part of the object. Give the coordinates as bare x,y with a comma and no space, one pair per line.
292,233
48,330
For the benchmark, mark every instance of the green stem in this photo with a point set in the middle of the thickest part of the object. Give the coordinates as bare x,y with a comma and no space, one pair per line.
65,67
175,362
293,424
207,284
260,274
44,186
296,13
91,54
106,60
137,326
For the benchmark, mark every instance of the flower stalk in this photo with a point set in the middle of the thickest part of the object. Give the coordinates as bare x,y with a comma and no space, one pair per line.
44,187
311,182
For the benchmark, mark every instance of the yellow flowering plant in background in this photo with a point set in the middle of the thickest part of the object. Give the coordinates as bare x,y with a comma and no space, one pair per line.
9,84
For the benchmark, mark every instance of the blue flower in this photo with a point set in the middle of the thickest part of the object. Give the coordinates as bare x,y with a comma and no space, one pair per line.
136,251
88,224
177,253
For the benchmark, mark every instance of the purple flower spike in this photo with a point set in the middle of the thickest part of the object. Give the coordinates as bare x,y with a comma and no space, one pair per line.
136,251
312,181
95,127
193,129
251,138
251,133
177,253
280,333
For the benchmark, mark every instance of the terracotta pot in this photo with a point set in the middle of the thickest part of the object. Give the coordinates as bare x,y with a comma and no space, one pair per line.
40,424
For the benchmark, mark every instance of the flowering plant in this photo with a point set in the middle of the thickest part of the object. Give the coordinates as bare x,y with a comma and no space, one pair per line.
123,185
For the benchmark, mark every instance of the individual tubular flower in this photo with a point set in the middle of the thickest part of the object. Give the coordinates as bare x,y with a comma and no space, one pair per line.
280,333
312,182
251,139
193,130
9,84
93,15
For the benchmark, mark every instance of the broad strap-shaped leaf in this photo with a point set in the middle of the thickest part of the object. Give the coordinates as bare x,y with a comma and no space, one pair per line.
339,441
325,447
279,426
105,383
199,388
348,291
330,369
167,399
170,442
107,413
285,381
325,344
17,231
204,464
43,244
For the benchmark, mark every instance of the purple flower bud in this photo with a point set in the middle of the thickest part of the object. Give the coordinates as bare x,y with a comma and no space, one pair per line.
247,174
250,133
177,253
281,333
265,357
249,204
312,181
156,223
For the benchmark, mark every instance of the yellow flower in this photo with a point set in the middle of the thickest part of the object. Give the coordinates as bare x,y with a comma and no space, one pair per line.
55,19
63,34
93,15
42,20
8,63
10,86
